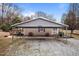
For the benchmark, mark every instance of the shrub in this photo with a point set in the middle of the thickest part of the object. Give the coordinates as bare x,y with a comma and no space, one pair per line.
46,34
5,36
19,34
6,27
30,34
61,34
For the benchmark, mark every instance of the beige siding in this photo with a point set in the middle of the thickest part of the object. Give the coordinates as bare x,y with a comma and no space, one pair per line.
35,31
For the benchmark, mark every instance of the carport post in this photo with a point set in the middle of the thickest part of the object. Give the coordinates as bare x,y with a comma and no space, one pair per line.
66,34
55,33
12,34
12,37
22,32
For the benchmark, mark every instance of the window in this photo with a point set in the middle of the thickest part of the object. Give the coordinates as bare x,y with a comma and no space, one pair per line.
41,29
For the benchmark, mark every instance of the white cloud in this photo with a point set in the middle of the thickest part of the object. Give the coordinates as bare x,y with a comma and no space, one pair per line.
29,13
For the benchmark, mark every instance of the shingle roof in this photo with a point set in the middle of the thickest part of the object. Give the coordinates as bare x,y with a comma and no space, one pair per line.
41,18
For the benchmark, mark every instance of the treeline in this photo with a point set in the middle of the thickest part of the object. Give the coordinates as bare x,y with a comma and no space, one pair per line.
71,17
9,14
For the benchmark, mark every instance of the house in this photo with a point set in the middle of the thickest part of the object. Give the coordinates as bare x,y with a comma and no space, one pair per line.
39,26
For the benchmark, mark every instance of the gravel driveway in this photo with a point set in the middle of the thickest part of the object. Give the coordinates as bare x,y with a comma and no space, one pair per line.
44,47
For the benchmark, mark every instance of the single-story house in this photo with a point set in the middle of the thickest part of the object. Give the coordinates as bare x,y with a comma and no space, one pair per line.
39,26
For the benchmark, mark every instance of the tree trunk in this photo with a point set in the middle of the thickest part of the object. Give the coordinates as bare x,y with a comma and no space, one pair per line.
2,12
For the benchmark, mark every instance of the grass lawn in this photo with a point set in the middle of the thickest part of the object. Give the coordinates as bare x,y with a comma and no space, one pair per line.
74,35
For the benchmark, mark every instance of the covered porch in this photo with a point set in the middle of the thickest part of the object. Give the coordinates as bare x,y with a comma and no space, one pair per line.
19,32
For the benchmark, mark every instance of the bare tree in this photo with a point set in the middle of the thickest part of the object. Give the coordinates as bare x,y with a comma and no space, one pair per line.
10,15
27,18
42,14
9,12
72,17
63,17
71,21
74,7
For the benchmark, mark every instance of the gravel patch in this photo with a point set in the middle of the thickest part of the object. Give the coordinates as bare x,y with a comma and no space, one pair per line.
44,47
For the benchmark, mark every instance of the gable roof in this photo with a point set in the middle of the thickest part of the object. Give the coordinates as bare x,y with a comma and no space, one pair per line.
45,19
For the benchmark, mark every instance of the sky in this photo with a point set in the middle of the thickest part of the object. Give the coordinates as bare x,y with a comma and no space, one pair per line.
55,9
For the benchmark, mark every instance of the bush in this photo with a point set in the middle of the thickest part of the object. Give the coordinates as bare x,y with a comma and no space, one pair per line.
19,34
5,36
30,34
61,34
46,34
6,27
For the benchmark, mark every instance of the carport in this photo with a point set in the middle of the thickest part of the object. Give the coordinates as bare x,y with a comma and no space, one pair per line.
38,22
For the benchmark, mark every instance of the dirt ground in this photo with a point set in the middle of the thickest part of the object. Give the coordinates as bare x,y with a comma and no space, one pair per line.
38,47
4,42
44,47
